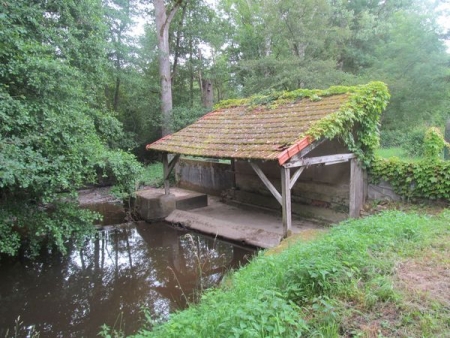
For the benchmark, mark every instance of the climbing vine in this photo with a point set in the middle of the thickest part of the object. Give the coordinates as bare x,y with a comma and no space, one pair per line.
356,122
426,179
433,143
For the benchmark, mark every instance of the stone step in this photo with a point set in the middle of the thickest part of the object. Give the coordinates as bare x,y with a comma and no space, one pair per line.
153,205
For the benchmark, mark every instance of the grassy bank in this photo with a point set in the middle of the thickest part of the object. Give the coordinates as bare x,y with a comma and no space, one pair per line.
383,276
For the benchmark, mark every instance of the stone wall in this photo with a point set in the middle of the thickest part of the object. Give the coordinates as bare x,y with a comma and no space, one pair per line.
204,176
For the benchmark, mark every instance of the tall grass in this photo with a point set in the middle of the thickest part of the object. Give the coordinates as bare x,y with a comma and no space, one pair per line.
153,175
316,288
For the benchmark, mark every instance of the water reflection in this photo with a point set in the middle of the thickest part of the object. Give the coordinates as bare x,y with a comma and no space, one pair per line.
111,279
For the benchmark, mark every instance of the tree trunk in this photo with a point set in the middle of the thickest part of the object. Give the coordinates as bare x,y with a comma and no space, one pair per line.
206,86
207,93
162,20
447,138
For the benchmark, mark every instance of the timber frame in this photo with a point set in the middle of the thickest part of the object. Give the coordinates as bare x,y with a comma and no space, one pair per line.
297,164
290,173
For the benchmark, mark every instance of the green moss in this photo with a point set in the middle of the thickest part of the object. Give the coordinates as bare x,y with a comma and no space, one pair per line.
356,122
277,98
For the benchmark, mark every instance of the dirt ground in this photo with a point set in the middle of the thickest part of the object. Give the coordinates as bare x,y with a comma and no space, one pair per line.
96,195
428,276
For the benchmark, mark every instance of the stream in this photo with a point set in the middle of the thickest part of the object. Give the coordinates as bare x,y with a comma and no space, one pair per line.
111,279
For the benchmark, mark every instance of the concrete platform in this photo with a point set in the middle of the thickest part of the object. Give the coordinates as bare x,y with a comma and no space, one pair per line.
153,205
241,223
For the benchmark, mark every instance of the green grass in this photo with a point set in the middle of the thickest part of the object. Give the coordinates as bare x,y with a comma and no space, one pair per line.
153,175
395,152
345,283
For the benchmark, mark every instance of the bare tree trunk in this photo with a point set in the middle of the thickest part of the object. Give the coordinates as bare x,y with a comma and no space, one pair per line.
207,93
178,40
163,20
191,74
116,94
206,86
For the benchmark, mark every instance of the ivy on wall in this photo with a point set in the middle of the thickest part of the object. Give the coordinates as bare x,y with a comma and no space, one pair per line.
426,179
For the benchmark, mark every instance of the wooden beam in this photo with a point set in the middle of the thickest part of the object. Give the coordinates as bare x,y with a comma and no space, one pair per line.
172,164
329,159
266,181
165,158
356,189
286,201
296,176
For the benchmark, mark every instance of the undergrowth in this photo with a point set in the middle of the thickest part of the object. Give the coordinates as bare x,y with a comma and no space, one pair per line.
334,286
153,175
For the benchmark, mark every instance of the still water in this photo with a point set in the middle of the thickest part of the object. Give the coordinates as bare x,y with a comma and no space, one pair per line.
111,279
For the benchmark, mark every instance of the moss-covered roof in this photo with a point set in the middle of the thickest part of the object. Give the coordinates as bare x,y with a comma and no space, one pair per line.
273,127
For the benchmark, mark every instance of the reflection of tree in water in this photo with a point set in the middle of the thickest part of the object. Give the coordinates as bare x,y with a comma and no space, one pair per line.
118,273
195,263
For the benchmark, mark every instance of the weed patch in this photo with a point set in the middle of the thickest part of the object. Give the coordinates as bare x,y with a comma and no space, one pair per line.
153,175
345,283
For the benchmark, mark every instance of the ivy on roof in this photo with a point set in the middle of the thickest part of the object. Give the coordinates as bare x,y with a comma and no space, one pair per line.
356,122
277,98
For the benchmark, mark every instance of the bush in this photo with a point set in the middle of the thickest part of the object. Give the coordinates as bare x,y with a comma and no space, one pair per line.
413,142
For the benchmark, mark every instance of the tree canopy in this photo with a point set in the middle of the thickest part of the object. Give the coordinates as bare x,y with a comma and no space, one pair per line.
56,135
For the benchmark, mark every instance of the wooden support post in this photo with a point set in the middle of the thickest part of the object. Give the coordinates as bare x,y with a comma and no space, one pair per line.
266,181
233,173
167,169
356,189
166,173
286,201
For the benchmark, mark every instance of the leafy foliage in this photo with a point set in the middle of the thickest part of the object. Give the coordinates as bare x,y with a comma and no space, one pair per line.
55,135
362,113
433,143
425,179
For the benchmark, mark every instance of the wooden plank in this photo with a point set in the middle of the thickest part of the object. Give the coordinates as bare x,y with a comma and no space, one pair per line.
329,159
356,189
286,203
296,176
172,164
165,158
266,181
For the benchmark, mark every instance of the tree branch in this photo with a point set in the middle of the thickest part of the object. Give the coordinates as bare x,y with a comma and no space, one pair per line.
172,13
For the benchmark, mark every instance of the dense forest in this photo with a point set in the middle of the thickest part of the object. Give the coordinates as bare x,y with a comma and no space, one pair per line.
83,89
